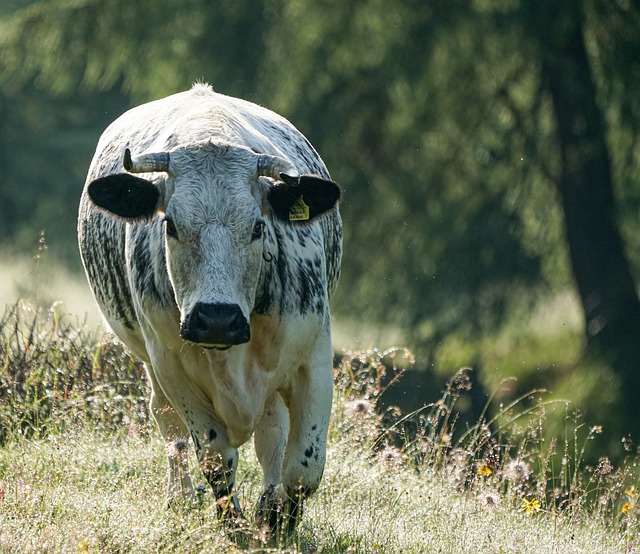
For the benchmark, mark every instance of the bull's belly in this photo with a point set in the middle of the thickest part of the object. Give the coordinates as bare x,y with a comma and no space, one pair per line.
131,337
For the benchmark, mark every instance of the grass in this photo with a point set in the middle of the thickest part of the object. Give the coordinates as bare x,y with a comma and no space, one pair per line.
82,469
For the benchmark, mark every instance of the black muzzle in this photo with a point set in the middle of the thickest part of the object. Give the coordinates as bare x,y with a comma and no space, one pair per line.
216,326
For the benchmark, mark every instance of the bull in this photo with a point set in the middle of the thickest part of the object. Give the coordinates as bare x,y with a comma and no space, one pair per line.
211,239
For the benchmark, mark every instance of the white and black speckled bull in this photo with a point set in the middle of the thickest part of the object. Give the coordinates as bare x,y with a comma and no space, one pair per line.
213,258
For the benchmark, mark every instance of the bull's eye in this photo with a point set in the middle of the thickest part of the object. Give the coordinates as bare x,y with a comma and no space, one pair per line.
170,227
258,230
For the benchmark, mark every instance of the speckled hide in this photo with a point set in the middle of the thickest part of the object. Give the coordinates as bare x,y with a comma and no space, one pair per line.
211,239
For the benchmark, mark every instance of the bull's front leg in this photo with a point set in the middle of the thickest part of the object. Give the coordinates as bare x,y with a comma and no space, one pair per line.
309,404
218,462
186,414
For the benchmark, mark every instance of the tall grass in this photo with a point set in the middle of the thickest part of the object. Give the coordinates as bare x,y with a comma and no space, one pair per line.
83,470
53,370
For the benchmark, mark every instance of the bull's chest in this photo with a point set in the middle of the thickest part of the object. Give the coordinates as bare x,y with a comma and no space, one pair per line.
230,391
232,387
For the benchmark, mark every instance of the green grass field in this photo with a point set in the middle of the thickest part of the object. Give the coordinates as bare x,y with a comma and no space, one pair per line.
82,469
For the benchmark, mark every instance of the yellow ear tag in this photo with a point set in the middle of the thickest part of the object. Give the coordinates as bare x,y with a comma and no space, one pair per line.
299,211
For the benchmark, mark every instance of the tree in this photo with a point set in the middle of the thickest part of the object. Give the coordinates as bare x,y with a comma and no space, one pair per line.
454,126
602,273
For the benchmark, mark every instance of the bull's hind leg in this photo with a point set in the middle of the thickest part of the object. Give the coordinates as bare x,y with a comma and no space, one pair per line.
176,437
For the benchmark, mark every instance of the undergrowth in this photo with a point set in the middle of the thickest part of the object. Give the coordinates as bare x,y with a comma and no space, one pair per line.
82,468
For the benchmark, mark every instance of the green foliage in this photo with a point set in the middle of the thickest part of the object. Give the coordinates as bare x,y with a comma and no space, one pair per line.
433,116
448,181
439,176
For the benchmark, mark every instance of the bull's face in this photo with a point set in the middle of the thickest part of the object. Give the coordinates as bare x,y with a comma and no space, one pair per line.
216,210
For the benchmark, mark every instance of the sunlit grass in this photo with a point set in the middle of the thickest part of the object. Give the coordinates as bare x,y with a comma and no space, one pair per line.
81,479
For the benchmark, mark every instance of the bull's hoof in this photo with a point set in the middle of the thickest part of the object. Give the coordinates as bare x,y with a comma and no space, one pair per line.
277,514
229,510
236,525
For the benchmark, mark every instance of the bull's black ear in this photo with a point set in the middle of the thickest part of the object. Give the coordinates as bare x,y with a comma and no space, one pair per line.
125,196
303,199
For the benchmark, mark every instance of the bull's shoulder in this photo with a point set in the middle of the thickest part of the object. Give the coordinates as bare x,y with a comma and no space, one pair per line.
125,264
102,248
303,267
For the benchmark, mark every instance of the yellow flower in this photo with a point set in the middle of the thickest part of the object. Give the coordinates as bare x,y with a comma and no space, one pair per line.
484,470
632,491
626,507
531,506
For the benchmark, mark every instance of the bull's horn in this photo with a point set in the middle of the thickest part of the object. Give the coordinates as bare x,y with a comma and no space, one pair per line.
273,166
146,163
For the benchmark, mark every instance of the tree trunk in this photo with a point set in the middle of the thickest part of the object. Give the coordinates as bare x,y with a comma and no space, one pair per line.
605,284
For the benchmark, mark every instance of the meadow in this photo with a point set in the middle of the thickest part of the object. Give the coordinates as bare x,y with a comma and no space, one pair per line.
82,468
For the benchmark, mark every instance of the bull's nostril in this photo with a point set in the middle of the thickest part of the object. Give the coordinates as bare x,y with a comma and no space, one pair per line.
202,321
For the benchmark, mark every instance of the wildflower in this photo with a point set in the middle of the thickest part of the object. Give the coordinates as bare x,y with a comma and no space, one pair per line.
489,498
457,466
532,506
517,471
632,492
391,457
626,507
605,467
484,470
461,380
445,440
358,408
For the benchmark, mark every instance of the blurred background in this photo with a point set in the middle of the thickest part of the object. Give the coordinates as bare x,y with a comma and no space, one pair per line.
488,151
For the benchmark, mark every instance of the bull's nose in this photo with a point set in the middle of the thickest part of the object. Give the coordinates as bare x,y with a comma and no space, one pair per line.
216,325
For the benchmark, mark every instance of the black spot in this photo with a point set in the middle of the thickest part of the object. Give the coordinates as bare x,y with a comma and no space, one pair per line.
314,427
212,435
304,288
309,452
102,246
305,463
230,462
264,301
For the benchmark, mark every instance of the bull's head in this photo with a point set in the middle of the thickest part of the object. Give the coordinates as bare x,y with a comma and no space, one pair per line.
216,208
